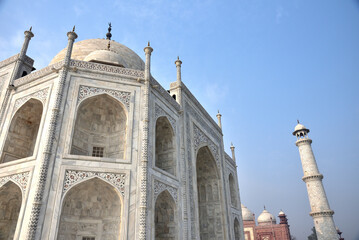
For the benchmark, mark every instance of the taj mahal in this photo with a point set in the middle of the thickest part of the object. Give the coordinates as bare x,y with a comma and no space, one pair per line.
93,147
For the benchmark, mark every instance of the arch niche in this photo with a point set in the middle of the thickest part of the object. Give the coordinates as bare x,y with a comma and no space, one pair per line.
209,204
100,128
236,228
165,217
91,210
165,146
21,138
10,204
232,190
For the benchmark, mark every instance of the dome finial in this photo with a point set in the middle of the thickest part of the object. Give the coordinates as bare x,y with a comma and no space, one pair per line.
30,29
297,121
108,45
73,29
109,35
264,207
148,43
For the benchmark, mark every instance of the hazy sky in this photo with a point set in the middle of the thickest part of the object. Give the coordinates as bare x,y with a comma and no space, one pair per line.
262,63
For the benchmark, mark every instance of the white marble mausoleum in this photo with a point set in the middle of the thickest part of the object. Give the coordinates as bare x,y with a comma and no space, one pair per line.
93,147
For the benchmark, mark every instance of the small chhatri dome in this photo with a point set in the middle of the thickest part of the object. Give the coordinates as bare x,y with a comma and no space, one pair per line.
281,213
88,50
247,215
300,127
266,218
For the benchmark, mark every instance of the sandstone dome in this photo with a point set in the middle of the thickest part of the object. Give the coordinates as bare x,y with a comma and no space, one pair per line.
247,215
96,50
266,218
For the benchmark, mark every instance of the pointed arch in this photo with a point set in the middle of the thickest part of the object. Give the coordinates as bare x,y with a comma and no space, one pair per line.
166,222
10,204
100,128
233,191
209,196
236,228
165,153
21,138
91,208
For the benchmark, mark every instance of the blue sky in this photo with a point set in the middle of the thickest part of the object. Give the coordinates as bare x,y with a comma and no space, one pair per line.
264,64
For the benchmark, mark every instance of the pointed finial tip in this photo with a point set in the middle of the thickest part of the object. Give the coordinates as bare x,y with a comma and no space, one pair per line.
73,29
30,28
148,43
297,121
264,207
177,57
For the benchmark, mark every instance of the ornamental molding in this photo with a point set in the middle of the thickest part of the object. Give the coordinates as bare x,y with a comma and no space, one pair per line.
73,177
312,177
38,74
40,95
21,179
234,216
9,60
159,187
159,112
201,139
324,213
87,91
107,68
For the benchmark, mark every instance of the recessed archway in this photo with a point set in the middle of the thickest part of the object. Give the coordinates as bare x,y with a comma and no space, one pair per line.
165,217
100,128
21,138
232,191
91,209
209,204
165,146
236,228
10,204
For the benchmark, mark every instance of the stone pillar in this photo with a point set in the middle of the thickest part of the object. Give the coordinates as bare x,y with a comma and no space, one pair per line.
37,210
320,211
233,153
144,152
219,117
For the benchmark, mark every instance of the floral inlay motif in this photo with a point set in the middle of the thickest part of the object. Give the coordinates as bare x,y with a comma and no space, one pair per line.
160,187
20,178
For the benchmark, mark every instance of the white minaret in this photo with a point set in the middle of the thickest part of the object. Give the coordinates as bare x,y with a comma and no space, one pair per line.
320,211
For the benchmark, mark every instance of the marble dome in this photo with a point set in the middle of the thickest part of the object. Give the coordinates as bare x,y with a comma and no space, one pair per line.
299,127
266,218
95,50
247,215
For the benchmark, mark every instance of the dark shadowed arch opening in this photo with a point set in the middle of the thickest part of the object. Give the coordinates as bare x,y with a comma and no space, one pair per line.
91,209
236,229
165,217
232,190
21,138
165,146
100,128
209,204
10,204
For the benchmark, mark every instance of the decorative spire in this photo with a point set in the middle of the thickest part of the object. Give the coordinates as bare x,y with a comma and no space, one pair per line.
30,29
297,121
148,43
109,35
73,29
264,207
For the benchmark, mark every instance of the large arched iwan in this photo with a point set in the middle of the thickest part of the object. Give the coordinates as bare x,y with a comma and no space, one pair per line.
91,209
21,138
100,128
209,196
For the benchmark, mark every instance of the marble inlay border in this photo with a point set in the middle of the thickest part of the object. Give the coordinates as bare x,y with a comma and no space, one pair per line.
87,91
159,112
159,187
20,178
40,95
72,177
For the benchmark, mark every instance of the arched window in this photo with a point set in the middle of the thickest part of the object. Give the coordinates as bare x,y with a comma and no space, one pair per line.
233,191
236,228
165,146
21,138
209,204
91,209
165,217
100,128
10,204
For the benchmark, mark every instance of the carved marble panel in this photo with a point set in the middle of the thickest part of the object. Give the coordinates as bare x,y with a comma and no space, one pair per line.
72,177
160,187
21,179
40,95
86,91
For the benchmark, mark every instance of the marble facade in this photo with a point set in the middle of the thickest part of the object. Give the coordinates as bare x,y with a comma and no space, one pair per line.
95,148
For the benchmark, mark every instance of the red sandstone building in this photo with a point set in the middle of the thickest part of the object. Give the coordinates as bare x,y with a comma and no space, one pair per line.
267,228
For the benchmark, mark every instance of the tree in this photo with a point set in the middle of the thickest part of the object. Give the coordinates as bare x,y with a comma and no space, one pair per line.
313,236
